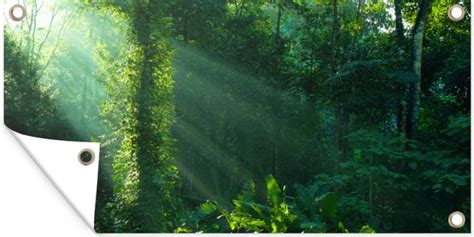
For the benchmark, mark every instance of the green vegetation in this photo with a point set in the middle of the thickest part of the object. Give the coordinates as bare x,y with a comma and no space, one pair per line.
315,213
254,116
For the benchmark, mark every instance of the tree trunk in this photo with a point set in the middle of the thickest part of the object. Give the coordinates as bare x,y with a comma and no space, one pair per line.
335,29
277,42
186,29
187,7
278,53
402,88
343,120
342,116
399,27
414,87
143,214
150,210
275,159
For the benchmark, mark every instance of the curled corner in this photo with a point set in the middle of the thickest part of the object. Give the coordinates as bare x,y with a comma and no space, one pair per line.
59,160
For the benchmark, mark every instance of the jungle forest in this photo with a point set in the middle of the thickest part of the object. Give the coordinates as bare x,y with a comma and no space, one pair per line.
253,115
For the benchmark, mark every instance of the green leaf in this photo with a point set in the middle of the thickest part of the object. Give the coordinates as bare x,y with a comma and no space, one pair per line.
357,155
342,228
312,226
366,229
273,191
458,180
328,205
449,188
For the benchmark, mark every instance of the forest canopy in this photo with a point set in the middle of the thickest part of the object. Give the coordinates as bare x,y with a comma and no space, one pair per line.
254,115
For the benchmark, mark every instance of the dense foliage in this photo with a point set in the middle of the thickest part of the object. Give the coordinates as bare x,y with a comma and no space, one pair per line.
252,115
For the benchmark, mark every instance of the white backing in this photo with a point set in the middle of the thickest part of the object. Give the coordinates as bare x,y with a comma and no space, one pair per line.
60,162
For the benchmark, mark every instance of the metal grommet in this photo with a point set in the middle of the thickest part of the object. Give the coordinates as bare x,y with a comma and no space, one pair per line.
17,12
456,219
456,12
86,157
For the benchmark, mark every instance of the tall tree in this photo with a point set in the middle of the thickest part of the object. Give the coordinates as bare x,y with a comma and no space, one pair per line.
399,27
400,44
141,112
335,29
413,109
154,116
